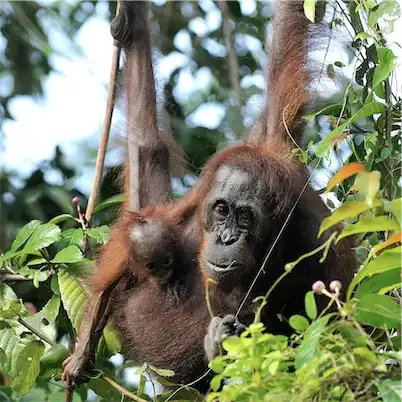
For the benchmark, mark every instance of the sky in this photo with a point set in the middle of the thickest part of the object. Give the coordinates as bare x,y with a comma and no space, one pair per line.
72,108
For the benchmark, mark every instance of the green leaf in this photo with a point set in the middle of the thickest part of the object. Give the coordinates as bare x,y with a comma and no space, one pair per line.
362,35
369,224
77,238
161,372
3,356
309,9
27,367
6,294
390,389
347,210
368,184
385,66
116,199
69,254
100,235
44,235
378,310
366,111
394,207
216,382
112,339
73,297
54,356
11,345
298,322
389,8
332,110
104,390
40,276
310,305
61,218
389,259
391,278
51,309
24,234
308,349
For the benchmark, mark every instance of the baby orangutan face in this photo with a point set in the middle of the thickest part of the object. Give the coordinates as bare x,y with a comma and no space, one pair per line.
155,249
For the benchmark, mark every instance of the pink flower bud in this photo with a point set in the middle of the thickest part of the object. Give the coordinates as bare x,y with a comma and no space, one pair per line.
76,201
318,287
335,286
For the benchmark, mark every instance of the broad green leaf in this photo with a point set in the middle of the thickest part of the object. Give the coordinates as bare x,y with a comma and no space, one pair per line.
385,67
11,345
44,235
310,305
6,294
369,224
100,235
390,389
61,218
27,367
378,310
73,297
394,207
366,111
346,171
116,199
368,184
309,9
112,339
389,259
69,254
51,309
3,356
298,322
332,110
24,234
104,390
77,238
54,356
379,281
347,210
308,349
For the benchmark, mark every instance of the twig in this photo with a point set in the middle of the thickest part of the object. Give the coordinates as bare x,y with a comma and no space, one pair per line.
100,160
232,57
39,334
13,278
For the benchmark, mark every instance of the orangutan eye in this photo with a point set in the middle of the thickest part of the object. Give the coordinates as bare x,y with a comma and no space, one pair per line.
167,261
221,210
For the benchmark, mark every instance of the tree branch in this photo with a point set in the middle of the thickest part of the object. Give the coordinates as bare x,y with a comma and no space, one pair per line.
232,57
100,160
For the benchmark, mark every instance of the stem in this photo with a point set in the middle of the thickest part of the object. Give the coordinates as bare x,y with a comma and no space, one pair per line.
100,160
123,391
388,129
36,332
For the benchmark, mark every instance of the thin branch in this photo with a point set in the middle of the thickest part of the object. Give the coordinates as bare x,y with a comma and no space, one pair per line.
232,57
100,160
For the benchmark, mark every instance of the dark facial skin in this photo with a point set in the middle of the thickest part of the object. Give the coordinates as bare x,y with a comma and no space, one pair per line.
155,249
232,224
